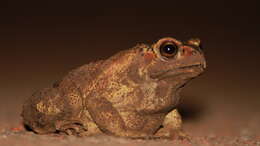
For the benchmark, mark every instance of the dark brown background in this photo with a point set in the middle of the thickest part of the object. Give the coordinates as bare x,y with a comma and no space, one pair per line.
41,41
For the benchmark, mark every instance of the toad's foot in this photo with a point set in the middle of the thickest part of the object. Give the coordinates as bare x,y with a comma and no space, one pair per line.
71,128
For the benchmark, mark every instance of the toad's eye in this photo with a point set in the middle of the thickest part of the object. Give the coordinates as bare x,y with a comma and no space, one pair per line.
168,49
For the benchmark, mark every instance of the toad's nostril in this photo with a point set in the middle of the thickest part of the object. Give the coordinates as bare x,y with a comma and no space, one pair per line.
194,52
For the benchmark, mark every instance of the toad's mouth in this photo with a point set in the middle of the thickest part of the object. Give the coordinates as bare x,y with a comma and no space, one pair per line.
183,72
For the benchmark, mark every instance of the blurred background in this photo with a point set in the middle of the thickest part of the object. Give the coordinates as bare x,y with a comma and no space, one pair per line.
40,41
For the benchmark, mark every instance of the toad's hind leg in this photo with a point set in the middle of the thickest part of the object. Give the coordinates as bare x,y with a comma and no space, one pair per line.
53,111
40,111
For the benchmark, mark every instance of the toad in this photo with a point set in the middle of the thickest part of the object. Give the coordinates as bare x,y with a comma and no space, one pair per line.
132,94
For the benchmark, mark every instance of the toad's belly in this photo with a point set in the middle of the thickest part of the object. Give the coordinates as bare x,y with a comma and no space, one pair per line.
148,124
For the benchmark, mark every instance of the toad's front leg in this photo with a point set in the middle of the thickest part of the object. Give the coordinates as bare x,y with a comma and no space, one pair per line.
108,118
171,127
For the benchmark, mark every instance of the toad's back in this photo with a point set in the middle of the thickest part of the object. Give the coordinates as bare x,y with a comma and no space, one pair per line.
51,109
63,101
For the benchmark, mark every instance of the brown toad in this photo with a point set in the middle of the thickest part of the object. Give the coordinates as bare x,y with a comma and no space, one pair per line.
131,94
